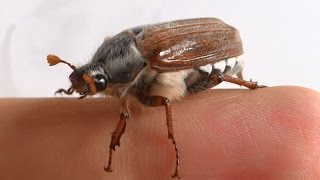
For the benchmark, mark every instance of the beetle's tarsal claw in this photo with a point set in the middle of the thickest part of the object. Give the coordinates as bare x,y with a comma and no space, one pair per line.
261,86
83,96
176,175
108,168
256,83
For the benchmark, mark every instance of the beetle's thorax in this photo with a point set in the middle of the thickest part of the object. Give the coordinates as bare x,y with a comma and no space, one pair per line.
120,58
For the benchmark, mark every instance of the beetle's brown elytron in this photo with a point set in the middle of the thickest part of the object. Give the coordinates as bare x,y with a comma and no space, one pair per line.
158,64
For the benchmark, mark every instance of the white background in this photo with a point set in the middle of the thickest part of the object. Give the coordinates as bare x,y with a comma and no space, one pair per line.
281,38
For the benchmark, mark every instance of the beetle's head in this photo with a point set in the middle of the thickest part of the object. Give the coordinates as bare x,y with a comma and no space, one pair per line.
87,80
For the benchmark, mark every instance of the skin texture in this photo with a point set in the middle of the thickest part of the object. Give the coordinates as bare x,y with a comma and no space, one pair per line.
269,133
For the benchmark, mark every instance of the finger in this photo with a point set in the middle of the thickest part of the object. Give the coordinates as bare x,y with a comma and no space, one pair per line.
215,131
268,133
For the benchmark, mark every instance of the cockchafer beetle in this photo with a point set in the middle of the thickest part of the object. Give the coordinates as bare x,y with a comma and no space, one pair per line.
158,64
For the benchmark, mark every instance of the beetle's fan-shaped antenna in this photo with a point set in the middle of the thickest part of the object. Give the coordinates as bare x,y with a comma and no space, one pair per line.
53,60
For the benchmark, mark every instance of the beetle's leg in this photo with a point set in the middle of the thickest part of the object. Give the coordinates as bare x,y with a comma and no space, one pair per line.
68,92
219,77
117,133
249,84
154,101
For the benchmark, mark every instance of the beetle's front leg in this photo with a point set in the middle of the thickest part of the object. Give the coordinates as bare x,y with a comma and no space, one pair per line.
154,101
68,92
117,133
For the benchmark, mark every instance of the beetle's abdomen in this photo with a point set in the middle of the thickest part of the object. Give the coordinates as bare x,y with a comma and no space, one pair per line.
177,84
230,66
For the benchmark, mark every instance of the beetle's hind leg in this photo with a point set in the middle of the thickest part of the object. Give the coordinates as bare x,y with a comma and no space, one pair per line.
154,101
218,77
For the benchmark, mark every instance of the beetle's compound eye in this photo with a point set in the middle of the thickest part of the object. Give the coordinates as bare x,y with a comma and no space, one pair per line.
100,82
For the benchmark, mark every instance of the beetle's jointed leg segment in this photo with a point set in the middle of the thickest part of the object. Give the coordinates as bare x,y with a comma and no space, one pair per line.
154,101
117,133
249,84
219,77
167,105
68,92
